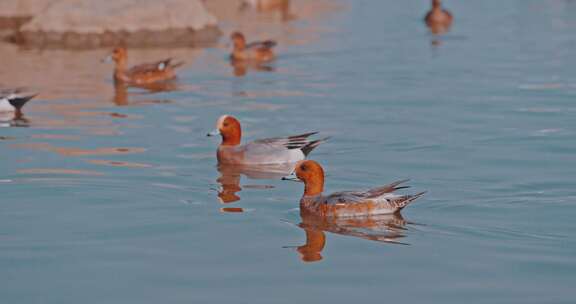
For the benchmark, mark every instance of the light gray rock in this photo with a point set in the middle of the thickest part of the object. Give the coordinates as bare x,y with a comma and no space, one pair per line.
97,23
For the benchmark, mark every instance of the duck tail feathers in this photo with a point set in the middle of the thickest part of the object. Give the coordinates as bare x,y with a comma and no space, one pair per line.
306,149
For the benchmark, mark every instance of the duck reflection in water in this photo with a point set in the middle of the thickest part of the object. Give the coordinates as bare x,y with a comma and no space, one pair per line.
386,228
121,93
230,178
241,67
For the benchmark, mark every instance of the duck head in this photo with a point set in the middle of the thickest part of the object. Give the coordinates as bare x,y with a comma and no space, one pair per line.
312,174
229,128
238,40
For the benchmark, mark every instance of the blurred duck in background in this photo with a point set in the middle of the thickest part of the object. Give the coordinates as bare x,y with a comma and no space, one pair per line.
438,19
257,51
142,74
270,6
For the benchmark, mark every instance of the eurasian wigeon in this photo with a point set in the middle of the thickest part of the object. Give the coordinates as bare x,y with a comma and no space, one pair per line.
142,74
439,20
375,201
12,100
263,151
259,51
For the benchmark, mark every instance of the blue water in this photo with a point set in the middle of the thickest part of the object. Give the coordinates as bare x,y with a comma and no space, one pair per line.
103,203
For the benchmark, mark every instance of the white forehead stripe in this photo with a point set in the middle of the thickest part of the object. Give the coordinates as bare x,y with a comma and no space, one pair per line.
221,121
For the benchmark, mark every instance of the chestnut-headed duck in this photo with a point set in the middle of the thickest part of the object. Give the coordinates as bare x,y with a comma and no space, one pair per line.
438,19
276,150
375,201
142,74
259,51
12,100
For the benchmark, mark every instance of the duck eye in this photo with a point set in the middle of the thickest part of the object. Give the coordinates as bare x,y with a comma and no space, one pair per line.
304,168
225,124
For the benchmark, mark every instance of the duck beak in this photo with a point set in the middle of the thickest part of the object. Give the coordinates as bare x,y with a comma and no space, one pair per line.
106,59
292,177
213,133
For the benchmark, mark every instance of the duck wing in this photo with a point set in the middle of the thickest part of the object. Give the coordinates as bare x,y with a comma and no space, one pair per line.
300,142
266,44
391,200
378,191
154,67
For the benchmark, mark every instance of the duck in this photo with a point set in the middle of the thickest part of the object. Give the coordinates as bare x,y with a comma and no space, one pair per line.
142,74
438,19
277,150
12,100
376,201
257,51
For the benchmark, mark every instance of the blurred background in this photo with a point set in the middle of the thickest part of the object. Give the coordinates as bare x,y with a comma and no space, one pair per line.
112,194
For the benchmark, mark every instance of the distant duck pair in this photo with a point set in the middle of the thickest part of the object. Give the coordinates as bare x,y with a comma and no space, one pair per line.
165,70
295,149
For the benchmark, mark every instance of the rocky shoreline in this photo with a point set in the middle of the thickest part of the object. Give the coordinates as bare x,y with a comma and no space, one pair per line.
85,24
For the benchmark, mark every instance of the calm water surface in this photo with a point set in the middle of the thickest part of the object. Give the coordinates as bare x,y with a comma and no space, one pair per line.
115,197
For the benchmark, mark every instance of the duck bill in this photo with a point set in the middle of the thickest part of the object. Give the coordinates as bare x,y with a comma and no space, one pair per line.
213,133
292,177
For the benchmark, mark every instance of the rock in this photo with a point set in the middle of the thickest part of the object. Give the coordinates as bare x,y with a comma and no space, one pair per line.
97,23
15,13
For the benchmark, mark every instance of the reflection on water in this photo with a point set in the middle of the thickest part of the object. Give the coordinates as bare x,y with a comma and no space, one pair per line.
387,228
66,151
230,177
49,171
127,188
15,119
122,97
241,67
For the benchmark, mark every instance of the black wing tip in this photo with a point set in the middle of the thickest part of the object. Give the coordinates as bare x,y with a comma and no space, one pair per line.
304,135
270,43
312,145
177,64
413,197
20,101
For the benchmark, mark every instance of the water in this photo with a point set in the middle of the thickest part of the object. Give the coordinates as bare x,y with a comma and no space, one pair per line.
106,202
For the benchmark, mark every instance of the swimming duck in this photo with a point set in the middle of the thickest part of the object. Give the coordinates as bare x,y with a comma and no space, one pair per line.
12,100
144,73
375,201
439,20
259,51
263,151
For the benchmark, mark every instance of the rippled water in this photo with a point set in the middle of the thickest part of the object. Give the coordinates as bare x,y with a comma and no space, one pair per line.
115,197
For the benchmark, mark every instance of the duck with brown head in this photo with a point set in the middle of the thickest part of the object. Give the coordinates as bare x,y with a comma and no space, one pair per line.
257,51
141,74
275,150
375,201
438,19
